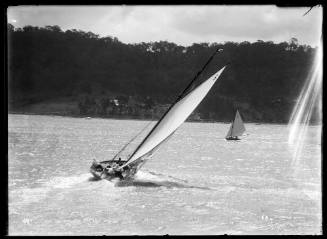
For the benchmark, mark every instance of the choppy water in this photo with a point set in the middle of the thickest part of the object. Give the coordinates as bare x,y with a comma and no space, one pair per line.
197,183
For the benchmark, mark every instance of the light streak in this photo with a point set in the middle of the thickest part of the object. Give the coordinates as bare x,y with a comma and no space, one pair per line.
310,97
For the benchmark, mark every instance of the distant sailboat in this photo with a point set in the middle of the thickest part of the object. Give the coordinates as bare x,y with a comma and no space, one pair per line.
236,129
177,113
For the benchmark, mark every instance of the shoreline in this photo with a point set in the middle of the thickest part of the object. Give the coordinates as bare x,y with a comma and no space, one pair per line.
138,118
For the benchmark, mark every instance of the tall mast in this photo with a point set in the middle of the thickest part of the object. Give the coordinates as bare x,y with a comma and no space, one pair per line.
178,98
231,132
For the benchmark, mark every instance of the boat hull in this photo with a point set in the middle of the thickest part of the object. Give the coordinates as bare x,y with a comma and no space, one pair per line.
95,174
98,170
232,138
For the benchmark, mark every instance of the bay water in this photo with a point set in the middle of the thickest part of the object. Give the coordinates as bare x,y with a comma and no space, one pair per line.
197,183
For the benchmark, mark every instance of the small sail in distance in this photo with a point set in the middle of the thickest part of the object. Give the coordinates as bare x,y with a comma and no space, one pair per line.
237,127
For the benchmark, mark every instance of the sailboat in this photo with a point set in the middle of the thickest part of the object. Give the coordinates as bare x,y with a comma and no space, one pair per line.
176,114
236,129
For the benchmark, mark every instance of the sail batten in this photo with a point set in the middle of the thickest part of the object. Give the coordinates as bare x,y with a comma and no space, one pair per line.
174,117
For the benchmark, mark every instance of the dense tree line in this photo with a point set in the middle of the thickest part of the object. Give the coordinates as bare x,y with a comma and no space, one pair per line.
263,79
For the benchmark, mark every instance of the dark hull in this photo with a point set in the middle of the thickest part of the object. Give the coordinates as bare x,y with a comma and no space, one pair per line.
98,170
95,174
231,138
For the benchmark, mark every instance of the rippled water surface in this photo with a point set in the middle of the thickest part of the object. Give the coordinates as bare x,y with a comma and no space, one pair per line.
197,183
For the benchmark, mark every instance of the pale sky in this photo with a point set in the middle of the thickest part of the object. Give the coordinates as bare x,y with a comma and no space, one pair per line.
182,25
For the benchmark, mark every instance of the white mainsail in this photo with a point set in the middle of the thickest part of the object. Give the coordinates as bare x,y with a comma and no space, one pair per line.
237,127
174,118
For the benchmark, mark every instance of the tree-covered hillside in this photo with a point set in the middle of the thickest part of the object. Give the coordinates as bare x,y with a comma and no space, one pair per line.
47,64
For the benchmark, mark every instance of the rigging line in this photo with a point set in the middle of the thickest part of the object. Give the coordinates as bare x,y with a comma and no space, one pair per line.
131,141
178,98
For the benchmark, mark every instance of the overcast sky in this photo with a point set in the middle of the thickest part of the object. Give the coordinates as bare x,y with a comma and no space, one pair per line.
183,25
